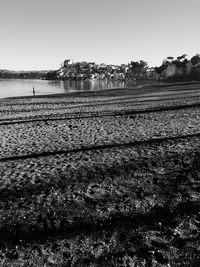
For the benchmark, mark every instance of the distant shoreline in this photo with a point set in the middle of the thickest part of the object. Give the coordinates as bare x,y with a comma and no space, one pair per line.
104,92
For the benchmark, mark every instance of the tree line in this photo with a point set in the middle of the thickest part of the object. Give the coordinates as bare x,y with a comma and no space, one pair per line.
180,68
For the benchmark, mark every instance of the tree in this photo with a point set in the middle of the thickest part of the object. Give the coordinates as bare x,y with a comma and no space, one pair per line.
170,58
51,75
182,57
195,73
138,67
160,69
195,59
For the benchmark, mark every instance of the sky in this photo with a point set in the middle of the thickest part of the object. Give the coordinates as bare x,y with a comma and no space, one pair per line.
41,34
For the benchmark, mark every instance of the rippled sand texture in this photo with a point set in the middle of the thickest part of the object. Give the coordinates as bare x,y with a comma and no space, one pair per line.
101,179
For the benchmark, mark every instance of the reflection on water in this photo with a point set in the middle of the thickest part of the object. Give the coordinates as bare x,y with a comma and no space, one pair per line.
23,87
91,85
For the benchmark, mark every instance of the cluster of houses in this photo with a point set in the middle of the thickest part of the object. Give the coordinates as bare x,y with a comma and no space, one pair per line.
171,69
91,70
178,69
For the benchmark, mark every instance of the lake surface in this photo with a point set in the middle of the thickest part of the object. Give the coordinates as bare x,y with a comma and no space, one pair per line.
24,87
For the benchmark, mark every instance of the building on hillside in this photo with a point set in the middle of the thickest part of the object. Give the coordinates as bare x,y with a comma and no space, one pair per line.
92,64
151,73
124,68
67,62
170,71
188,67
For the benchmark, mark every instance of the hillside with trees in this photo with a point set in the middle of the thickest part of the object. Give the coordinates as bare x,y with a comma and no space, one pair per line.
180,68
10,74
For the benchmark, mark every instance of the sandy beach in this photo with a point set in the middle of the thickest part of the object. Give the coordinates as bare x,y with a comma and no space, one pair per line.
107,178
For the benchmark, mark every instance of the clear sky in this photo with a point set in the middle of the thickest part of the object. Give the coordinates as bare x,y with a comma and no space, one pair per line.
40,34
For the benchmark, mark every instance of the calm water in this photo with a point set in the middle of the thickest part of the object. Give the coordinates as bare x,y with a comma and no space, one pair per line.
20,87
